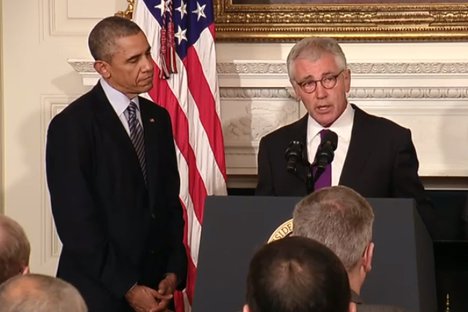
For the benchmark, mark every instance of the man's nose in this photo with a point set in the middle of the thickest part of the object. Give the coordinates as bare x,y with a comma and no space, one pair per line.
148,64
320,91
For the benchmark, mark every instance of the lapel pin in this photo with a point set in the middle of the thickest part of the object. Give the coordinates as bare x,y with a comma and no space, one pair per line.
151,120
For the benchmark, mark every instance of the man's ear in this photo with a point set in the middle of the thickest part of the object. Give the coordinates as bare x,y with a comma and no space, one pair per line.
25,270
246,308
367,257
102,68
347,77
295,91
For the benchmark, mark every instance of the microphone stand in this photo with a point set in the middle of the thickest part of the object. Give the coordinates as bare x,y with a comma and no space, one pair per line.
312,178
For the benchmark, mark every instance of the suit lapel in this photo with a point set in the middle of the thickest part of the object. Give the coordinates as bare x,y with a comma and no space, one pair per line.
152,128
302,130
300,134
360,148
109,120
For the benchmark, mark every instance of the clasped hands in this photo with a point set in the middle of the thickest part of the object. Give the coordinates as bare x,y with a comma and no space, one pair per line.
146,299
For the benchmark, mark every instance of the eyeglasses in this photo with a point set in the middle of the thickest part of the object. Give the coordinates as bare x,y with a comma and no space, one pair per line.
310,85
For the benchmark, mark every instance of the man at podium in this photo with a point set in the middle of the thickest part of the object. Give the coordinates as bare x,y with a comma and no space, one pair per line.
336,143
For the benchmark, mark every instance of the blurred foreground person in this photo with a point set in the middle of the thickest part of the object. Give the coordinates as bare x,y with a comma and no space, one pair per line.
14,249
296,274
342,220
39,293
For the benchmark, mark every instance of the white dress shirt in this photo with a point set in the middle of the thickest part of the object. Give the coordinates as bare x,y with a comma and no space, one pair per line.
342,127
120,102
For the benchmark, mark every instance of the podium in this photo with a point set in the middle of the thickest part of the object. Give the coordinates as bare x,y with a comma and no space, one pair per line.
235,227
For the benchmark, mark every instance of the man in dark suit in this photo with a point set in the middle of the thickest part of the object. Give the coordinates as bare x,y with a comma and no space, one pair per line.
114,183
374,156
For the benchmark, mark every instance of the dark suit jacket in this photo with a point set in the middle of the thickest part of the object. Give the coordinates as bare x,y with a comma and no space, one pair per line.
363,307
381,162
115,231
378,308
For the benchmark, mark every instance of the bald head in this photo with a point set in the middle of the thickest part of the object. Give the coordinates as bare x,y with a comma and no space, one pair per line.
39,293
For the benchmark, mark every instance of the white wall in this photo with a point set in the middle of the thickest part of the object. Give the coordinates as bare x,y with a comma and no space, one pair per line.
38,36
421,85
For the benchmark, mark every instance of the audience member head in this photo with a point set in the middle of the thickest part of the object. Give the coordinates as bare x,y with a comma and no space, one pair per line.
342,220
319,75
14,249
122,55
39,293
296,274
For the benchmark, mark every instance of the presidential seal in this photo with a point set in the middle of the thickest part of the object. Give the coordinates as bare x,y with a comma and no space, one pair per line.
282,231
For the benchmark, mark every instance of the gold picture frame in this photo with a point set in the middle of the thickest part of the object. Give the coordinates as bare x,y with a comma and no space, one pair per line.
371,21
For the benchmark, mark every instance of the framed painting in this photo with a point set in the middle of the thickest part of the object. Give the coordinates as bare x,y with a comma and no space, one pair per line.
345,20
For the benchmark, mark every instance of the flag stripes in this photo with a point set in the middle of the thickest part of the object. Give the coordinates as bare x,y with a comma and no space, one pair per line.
192,99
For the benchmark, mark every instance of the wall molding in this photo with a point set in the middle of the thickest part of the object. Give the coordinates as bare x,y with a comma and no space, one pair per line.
51,104
279,68
355,93
271,71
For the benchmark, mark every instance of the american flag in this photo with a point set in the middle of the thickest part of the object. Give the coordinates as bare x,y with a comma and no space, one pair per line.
186,85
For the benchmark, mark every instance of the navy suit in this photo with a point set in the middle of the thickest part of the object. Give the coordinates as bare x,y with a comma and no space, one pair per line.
381,162
115,230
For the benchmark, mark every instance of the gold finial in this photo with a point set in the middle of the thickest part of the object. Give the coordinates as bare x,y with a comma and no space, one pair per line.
128,13
447,303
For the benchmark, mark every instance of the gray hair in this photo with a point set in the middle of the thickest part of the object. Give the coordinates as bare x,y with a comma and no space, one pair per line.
40,293
339,218
313,49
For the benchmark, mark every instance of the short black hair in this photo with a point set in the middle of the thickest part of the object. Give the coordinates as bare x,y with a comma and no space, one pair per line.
297,274
102,37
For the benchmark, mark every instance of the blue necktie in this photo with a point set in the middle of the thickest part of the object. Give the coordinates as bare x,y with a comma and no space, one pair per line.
136,135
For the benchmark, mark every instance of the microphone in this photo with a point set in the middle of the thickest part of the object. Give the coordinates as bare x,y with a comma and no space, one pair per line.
325,152
293,155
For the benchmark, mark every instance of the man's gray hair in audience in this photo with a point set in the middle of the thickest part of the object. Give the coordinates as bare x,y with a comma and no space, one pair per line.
338,217
14,249
39,293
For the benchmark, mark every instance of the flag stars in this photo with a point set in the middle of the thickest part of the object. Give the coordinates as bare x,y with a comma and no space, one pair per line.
181,34
161,7
182,9
200,11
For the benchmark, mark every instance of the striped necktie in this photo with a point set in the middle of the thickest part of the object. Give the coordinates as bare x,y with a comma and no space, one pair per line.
136,135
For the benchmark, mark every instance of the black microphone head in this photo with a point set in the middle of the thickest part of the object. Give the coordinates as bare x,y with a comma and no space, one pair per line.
330,139
293,155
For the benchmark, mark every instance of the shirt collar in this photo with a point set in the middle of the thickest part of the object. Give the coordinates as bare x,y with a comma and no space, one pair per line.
342,126
355,297
117,99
